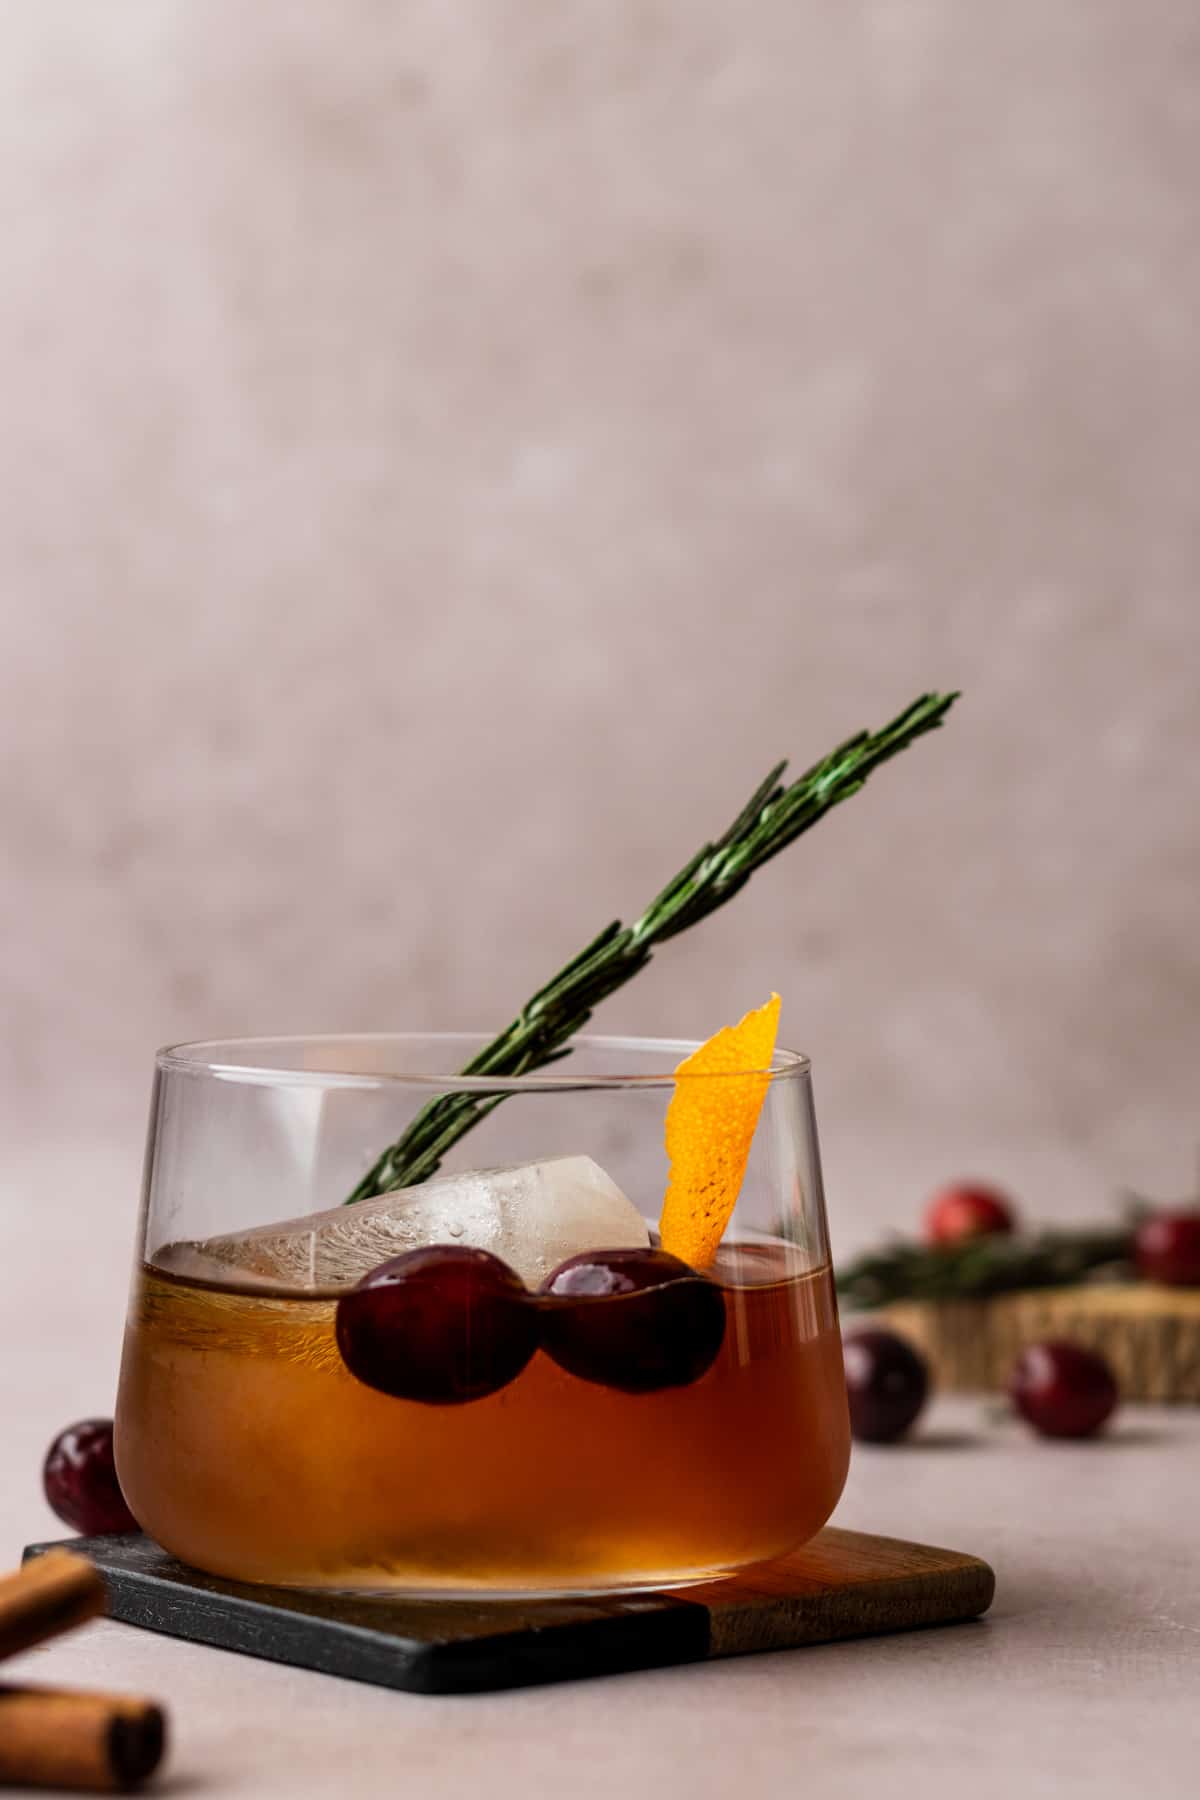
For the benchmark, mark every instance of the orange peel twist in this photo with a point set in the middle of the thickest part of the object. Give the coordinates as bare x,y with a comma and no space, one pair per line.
709,1129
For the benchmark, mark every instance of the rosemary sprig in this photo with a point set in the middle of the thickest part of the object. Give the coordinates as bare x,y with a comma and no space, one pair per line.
771,819
996,1264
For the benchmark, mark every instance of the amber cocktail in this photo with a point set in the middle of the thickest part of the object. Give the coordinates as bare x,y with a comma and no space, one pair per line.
539,1400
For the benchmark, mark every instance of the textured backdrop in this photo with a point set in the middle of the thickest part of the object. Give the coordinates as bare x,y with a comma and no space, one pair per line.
449,453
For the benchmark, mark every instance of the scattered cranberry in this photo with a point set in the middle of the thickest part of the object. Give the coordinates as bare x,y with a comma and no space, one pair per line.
637,1320
79,1478
887,1383
966,1212
1063,1390
441,1325
1166,1248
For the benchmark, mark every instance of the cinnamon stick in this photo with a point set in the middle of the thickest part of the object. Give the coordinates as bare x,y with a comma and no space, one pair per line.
50,1594
105,1743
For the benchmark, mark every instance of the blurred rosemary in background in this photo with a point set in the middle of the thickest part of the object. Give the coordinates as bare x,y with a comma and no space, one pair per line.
995,1264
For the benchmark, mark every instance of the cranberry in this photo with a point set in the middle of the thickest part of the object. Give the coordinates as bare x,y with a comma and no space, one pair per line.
966,1211
1063,1390
887,1383
637,1320
79,1478
441,1325
1166,1248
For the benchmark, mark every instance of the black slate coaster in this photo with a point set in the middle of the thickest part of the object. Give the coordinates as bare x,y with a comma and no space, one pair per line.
426,1647
841,1584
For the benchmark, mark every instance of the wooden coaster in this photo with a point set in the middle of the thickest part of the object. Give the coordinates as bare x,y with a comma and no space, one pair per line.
1150,1335
844,1584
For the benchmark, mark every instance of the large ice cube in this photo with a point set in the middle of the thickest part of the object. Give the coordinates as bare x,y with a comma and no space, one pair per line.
533,1216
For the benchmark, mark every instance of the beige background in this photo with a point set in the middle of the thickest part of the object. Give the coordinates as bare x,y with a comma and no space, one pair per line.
450,452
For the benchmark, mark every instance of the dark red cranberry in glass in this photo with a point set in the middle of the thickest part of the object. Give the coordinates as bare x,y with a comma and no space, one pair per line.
1166,1248
1063,1390
441,1325
887,1383
79,1478
637,1320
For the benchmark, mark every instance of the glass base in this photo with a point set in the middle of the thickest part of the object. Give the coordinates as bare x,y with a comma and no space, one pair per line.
437,1593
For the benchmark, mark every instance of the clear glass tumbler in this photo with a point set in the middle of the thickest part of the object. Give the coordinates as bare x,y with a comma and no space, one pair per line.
246,1446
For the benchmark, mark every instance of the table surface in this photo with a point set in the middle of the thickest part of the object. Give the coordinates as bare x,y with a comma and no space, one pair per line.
1084,1679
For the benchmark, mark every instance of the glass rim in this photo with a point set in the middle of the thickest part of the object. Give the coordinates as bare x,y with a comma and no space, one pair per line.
191,1059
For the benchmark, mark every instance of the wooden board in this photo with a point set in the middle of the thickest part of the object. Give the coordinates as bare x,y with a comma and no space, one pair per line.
844,1584
1150,1334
